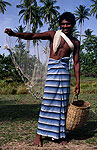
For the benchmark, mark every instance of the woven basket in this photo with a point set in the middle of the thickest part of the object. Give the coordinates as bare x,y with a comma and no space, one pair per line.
77,114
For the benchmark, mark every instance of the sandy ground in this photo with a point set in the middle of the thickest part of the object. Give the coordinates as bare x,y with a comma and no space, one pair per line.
72,145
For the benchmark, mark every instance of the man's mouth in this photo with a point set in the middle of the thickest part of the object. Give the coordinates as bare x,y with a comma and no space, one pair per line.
65,29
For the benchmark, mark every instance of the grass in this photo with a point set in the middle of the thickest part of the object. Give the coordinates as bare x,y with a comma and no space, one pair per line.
8,87
19,115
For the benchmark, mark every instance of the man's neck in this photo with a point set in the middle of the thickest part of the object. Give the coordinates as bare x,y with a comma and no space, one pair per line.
68,34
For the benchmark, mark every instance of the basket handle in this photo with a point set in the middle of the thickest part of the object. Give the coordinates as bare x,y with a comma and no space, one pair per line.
74,97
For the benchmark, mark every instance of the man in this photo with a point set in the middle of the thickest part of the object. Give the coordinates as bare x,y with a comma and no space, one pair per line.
57,87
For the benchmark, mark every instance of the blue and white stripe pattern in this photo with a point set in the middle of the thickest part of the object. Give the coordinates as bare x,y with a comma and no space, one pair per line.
53,111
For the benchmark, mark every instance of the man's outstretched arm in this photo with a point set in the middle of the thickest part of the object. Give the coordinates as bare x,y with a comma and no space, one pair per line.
30,36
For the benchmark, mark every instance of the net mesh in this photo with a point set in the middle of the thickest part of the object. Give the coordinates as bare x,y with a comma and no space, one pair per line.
32,66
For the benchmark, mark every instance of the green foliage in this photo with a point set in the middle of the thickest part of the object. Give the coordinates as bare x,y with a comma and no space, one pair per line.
75,32
19,118
50,14
26,62
7,68
54,24
94,8
88,55
8,86
3,5
81,14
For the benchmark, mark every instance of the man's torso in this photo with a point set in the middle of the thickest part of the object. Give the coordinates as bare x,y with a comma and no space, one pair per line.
63,50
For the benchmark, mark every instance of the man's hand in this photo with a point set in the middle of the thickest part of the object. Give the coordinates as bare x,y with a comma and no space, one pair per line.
9,32
77,89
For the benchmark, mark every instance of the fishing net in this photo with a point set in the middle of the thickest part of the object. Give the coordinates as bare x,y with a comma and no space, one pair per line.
31,63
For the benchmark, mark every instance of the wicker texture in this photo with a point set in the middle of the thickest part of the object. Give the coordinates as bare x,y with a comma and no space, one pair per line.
77,114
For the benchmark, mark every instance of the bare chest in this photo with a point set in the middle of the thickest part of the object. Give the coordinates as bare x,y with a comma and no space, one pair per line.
63,50
64,45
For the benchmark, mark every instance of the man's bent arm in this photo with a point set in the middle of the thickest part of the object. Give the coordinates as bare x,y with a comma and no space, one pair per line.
77,68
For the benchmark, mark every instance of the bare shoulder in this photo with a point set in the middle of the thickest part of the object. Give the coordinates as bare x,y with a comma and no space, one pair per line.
76,41
51,33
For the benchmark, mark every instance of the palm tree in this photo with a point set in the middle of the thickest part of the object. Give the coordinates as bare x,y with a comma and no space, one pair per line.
3,6
88,34
49,11
46,51
94,8
30,14
37,23
19,47
75,32
21,30
36,43
54,24
81,13
26,12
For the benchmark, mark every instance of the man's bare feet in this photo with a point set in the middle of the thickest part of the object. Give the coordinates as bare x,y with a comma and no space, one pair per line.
63,141
37,141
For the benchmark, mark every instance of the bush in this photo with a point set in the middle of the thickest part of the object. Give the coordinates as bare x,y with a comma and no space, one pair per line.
22,90
10,87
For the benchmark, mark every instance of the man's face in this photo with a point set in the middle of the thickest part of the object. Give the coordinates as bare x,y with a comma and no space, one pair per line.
66,26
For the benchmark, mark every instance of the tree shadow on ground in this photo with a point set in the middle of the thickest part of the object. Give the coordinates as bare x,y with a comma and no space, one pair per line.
31,112
83,133
87,131
19,112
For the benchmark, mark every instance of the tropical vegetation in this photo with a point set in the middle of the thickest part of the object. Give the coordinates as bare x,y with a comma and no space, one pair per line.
81,14
19,110
94,8
3,5
34,16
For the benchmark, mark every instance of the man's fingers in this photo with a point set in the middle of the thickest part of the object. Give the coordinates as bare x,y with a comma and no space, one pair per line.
76,90
7,30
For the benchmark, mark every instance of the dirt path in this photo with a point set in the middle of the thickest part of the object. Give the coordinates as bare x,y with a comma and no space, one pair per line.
72,145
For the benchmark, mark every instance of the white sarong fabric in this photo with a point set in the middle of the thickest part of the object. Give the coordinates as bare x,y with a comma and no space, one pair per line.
53,111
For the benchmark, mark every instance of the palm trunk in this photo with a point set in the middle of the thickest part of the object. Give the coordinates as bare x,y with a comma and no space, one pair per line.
34,50
38,51
28,30
28,41
80,32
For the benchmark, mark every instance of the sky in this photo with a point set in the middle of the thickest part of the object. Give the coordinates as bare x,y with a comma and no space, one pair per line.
10,18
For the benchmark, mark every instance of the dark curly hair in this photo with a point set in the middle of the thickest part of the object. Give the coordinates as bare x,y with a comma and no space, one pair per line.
69,17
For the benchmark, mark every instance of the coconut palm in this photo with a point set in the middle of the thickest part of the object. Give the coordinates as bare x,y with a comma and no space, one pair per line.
54,24
29,10
36,43
88,34
49,11
37,19
94,8
81,14
21,30
26,12
19,46
75,32
37,23
3,6
30,14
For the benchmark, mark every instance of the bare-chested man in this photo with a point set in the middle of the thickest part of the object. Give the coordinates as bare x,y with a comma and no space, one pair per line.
57,87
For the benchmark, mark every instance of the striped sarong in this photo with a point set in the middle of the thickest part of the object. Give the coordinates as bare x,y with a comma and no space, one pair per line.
53,111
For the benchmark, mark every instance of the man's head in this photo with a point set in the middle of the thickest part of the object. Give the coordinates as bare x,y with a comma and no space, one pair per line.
67,22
